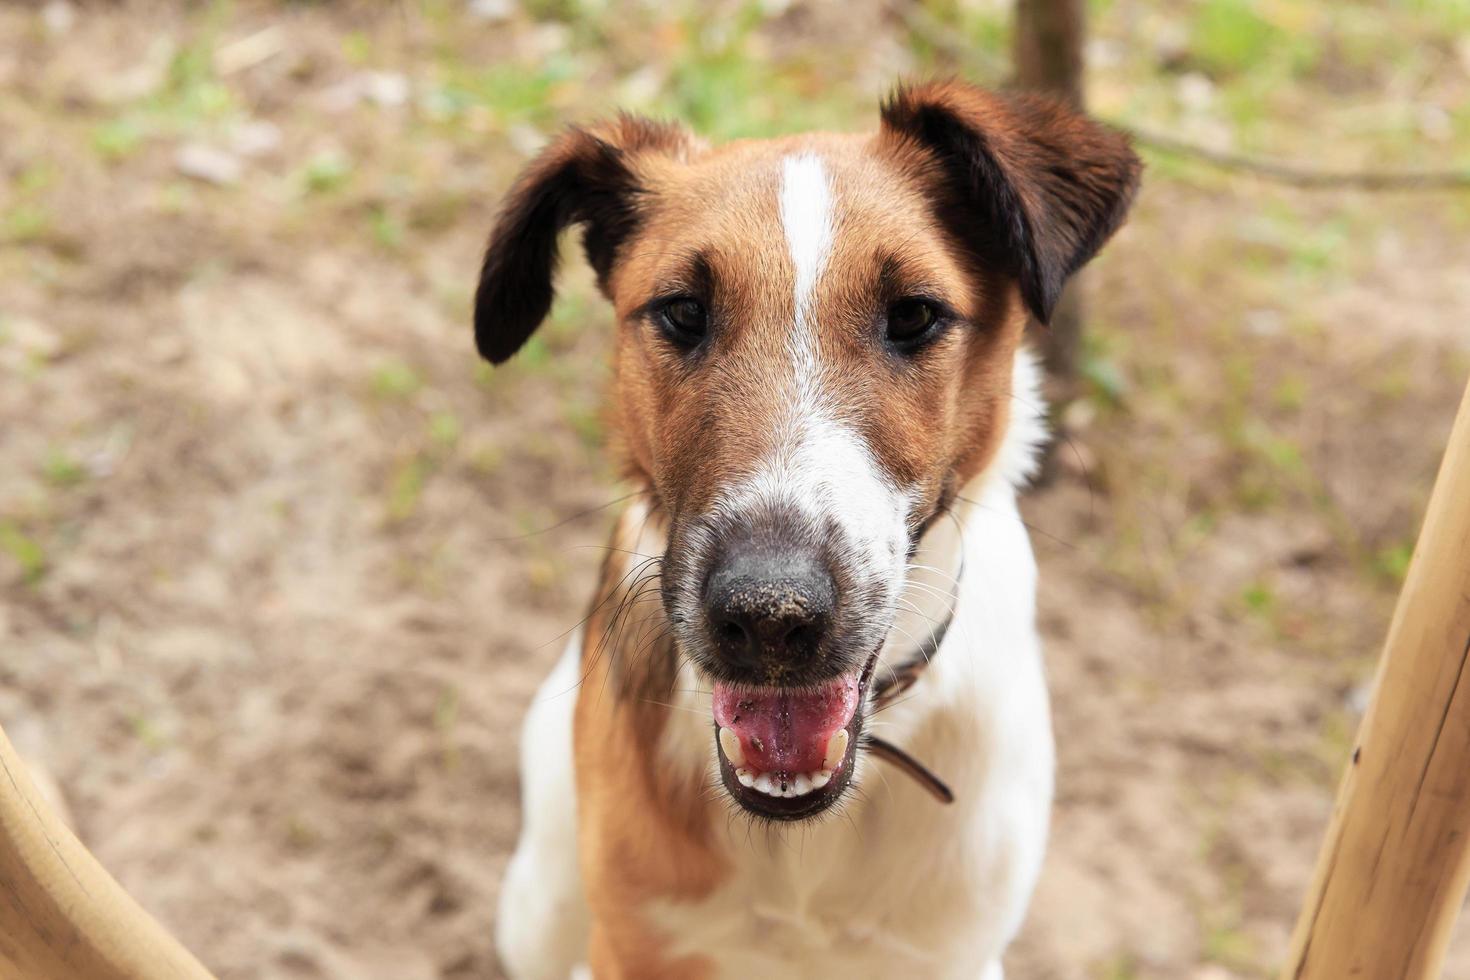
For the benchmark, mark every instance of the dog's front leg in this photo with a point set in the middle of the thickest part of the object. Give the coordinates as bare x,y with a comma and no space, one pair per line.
541,929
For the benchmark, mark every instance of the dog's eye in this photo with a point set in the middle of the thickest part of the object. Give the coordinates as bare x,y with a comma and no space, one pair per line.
684,320
910,321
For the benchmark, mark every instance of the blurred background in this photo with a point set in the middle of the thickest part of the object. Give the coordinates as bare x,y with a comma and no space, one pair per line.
259,616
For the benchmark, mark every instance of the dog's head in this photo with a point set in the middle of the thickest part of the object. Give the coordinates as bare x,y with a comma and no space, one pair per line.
816,337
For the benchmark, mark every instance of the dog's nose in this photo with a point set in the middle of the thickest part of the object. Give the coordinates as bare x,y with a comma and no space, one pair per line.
769,608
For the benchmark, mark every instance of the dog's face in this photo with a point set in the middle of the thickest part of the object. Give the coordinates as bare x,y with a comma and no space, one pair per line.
815,346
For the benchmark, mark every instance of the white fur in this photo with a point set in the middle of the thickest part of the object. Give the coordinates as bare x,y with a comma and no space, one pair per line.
806,220
541,927
1020,451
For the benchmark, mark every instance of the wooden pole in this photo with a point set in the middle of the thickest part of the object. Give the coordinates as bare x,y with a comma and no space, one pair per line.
1394,866
62,916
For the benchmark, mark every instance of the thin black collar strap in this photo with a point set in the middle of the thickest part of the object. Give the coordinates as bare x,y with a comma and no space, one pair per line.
895,682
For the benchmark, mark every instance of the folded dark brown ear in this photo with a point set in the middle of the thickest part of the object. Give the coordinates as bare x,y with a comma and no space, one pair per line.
1030,185
586,176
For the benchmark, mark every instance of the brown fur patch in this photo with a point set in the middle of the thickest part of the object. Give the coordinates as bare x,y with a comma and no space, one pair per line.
642,835
1033,187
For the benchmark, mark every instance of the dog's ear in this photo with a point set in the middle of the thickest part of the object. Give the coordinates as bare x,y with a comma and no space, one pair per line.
1031,186
587,176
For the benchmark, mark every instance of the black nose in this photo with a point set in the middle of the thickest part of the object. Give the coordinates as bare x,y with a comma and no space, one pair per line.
768,609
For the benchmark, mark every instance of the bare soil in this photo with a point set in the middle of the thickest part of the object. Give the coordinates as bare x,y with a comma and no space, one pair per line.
270,607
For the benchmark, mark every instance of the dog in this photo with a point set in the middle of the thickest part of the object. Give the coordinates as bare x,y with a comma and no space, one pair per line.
822,394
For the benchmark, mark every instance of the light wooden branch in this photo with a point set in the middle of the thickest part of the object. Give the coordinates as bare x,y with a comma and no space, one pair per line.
62,916
1393,869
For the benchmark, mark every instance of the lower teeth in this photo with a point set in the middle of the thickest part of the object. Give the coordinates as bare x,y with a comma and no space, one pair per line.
783,787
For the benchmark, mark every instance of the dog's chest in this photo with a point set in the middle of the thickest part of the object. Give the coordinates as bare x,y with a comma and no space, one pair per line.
813,913
905,886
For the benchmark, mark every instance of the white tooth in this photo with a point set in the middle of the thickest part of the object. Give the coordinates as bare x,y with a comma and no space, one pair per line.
730,743
802,785
836,749
763,783
820,779
746,777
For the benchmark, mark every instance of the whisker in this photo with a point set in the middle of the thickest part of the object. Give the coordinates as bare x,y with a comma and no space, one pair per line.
1024,523
673,707
611,549
567,520
593,611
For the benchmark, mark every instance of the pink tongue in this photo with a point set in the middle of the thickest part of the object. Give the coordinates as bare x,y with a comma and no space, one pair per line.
786,731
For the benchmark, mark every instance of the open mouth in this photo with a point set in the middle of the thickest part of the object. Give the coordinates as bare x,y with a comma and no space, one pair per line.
787,752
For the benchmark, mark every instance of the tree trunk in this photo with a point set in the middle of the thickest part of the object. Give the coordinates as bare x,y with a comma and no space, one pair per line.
1048,47
1048,53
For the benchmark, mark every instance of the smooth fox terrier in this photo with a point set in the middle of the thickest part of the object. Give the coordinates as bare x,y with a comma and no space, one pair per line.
821,393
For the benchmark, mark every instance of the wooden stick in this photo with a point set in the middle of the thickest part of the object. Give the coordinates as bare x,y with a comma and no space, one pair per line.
62,916
1396,860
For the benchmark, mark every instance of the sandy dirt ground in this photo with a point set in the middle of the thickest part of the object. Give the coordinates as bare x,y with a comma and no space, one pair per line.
270,604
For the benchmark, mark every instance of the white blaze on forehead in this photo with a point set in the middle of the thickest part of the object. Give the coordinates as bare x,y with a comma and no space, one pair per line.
806,217
820,465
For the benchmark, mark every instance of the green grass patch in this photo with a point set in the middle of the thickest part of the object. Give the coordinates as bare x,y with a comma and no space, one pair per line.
407,488
570,315
512,92
534,357
357,48
1100,367
192,94
981,31
117,139
1392,562
1120,967
396,380
26,223
586,422
1290,394
1230,36
725,89
436,210
146,730
1228,945
1259,599
62,470
446,716
386,230
36,178
24,550
1104,381
444,428
486,459
1334,745
325,172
